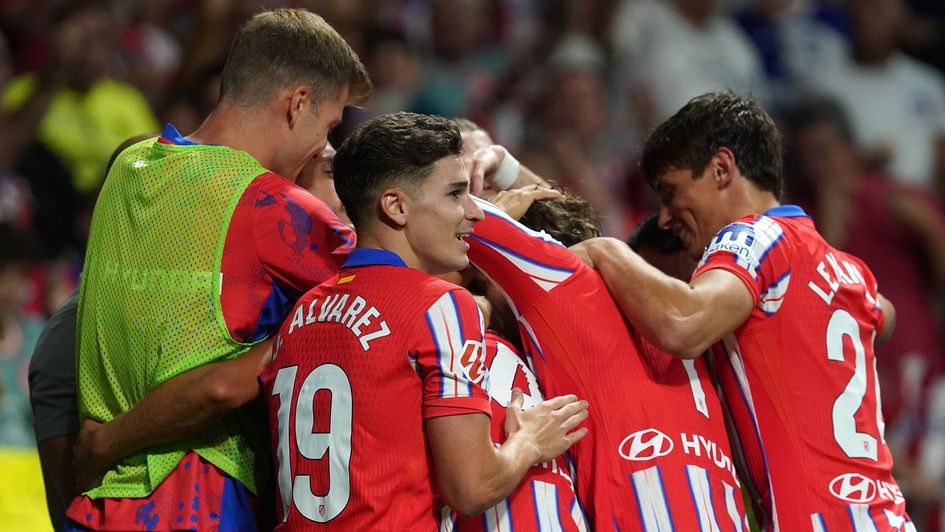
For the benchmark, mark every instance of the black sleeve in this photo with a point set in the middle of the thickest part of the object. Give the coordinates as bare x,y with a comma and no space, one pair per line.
52,375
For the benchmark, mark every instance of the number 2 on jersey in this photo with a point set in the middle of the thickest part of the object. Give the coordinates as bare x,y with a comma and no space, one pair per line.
335,445
854,443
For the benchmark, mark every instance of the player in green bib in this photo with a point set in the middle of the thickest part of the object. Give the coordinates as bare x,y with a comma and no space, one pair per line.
171,214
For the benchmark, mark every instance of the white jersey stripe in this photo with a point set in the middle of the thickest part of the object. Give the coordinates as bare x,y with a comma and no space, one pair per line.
651,500
817,523
698,394
860,517
547,277
770,301
546,506
491,210
577,515
498,518
443,320
702,498
732,507
447,519
738,366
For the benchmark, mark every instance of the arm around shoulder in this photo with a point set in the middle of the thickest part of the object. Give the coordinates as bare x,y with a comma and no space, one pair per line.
681,319
174,410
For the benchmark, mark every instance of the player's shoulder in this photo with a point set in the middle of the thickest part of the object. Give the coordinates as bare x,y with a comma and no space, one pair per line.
435,288
272,189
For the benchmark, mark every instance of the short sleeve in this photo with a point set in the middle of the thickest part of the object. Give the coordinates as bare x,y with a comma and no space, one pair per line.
450,357
526,264
52,375
753,250
299,240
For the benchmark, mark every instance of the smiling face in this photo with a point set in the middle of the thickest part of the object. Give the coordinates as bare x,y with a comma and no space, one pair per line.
691,208
440,214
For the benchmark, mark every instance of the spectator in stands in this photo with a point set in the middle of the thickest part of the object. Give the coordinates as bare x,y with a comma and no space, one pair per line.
21,499
678,49
895,103
88,114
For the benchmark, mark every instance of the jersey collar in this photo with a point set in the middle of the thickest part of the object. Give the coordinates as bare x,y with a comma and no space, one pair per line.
786,211
171,136
373,257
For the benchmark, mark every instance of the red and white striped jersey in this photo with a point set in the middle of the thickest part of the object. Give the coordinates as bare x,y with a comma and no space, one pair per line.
657,455
360,363
545,499
800,376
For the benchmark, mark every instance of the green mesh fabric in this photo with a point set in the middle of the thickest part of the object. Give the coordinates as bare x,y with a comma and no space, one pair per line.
149,307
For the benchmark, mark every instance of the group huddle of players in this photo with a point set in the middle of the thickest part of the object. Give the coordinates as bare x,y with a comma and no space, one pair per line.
585,389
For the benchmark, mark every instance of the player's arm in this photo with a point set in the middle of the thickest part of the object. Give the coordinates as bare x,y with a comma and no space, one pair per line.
679,318
474,474
889,319
495,165
178,408
55,409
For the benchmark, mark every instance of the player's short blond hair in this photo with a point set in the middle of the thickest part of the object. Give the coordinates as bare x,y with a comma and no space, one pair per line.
283,47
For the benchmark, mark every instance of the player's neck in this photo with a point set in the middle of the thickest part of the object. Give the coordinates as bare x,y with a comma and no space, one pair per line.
748,199
382,236
239,128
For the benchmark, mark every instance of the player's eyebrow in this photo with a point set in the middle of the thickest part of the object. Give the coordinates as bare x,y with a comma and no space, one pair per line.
458,185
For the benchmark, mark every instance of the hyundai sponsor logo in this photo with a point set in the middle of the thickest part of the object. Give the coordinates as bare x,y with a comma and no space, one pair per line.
853,487
645,445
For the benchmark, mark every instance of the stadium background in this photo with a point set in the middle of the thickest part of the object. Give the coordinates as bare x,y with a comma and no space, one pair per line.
570,86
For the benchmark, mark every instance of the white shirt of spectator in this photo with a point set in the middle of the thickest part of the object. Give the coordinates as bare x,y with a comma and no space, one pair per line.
898,108
677,61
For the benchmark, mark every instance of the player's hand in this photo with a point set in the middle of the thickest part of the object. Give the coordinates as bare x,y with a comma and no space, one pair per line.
516,201
91,463
549,426
483,164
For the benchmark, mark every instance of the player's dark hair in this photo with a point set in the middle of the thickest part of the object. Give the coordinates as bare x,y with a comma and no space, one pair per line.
689,139
818,110
395,150
568,220
649,235
282,47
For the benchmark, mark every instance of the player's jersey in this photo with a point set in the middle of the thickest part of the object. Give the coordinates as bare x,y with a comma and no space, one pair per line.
360,363
657,455
545,498
801,376
281,242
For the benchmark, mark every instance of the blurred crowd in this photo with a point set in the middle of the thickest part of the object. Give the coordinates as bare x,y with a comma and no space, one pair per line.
570,86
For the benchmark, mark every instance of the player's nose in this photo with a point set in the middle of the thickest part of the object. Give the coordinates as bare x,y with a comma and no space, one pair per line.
664,217
473,210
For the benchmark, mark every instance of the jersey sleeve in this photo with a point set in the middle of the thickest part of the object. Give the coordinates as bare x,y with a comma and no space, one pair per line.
526,264
298,239
753,249
450,357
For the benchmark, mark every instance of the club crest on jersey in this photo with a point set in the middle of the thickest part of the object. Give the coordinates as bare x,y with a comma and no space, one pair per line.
645,445
853,487
472,360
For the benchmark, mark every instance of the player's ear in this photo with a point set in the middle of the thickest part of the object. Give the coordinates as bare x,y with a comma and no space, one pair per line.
296,101
393,205
723,167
